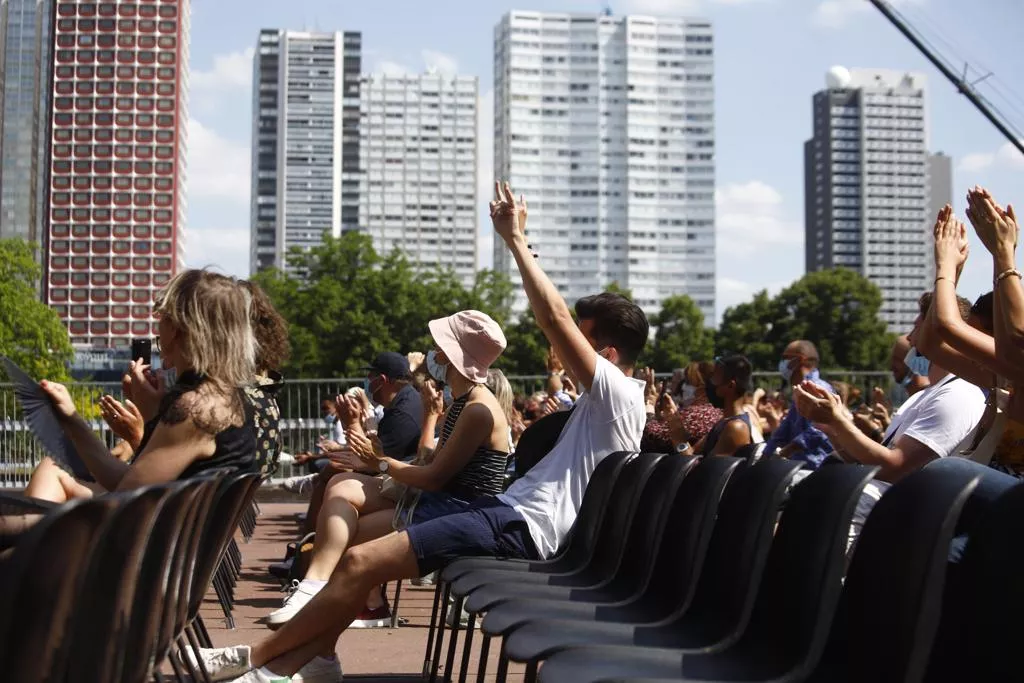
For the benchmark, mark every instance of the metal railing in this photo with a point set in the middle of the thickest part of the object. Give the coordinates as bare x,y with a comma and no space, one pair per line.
302,422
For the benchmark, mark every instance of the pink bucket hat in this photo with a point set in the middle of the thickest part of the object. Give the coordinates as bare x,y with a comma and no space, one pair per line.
471,340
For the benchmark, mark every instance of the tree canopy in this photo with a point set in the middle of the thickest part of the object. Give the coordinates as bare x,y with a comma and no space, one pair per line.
836,309
31,333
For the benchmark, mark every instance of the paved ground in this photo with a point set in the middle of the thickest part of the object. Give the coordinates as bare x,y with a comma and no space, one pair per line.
379,655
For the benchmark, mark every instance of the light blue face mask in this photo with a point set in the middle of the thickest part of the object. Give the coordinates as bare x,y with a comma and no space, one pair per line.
907,379
436,370
785,370
916,363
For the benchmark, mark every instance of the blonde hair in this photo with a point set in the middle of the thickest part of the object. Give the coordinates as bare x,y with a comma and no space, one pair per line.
211,313
502,390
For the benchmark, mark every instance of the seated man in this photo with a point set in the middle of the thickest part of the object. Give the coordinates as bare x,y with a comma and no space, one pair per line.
939,422
727,389
531,520
796,438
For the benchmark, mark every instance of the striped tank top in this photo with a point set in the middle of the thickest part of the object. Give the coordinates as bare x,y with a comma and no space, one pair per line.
484,474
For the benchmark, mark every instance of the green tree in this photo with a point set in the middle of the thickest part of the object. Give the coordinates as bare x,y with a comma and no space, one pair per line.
680,335
344,303
836,309
527,350
31,333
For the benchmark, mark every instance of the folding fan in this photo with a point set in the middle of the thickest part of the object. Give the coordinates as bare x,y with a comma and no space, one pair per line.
42,420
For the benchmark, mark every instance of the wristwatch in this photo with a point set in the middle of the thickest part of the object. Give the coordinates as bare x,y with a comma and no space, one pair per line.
383,466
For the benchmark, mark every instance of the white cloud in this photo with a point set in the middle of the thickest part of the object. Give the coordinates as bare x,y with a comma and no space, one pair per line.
731,292
440,62
661,8
751,219
485,176
230,71
836,13
217,167
225,249
1006,157
390,68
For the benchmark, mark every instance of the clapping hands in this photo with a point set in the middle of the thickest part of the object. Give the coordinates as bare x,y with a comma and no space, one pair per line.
997,228
951,245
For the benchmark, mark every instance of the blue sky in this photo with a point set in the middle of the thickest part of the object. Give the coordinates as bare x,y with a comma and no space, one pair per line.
771,56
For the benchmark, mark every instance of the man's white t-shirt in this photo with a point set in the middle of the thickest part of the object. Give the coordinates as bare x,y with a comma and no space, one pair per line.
942,417
608,418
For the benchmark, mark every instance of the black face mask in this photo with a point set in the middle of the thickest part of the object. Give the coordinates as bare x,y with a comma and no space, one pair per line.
713,397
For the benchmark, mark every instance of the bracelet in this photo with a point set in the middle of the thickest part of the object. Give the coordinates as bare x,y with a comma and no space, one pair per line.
1012,272
942,277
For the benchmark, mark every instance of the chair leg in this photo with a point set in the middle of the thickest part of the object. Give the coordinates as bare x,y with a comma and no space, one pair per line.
194,644
449,665
485,651
179,675
427,654
531,673
467,649
436,666
394,608
502,672
204,635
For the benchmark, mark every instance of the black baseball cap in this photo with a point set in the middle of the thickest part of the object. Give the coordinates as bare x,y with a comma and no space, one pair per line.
390,364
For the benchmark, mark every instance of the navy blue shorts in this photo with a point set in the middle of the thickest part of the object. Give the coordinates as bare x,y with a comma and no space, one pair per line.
488,527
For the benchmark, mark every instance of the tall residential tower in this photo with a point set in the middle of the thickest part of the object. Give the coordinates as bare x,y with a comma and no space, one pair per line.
872,188
606,124
305,141
117,153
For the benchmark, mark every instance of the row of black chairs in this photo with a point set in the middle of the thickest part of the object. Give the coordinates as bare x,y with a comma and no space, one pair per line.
684,569
101,590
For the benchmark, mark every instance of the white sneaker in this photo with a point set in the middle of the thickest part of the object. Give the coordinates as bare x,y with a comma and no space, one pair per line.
221,663
301,484
300,595
319,670
428,580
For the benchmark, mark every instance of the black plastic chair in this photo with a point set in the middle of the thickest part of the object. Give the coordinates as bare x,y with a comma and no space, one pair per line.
578,549
984,600
795,600
632,489
726,583
98,632
889,612
139,657
40,582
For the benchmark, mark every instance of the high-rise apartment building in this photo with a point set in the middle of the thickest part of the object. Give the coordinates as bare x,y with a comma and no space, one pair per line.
418,153
305,141
117,152
25,50
871,186
606,124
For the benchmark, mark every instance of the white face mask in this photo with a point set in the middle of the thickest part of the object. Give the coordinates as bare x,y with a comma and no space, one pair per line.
437,370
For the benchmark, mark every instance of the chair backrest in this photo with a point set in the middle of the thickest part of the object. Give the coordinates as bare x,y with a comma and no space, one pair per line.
803,577
889,609
538,439
739,545
98,630
44,577
984,603
167,535
684,543
629,492
233,497
179,578
580,544
652,513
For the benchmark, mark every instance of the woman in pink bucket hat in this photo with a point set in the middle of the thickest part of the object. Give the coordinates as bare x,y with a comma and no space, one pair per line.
468,462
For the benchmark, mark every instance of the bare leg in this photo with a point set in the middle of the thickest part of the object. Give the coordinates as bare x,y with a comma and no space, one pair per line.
316,500
50,482
334,608
349,499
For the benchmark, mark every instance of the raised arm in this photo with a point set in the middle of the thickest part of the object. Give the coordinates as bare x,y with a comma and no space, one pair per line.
550,309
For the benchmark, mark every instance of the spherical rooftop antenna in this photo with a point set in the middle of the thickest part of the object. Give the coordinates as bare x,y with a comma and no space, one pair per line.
838,77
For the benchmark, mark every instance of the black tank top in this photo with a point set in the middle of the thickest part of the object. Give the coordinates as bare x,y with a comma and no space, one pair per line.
716,432
235,446
484,474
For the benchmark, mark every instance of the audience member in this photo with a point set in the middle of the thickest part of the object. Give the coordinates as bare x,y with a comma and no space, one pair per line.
272,351
795,437
696,413
532,518
727,390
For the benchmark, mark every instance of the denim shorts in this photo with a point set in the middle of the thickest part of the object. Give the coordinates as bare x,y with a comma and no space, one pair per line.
487,527
433,504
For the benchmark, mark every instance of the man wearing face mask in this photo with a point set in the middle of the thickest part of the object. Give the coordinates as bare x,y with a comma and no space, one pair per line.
911,381
796,438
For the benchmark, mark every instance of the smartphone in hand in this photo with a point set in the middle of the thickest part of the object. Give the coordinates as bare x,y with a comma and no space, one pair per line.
142,348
